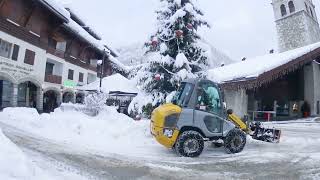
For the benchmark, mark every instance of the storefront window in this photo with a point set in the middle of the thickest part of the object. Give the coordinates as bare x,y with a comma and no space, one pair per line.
22,91
283,108
6,93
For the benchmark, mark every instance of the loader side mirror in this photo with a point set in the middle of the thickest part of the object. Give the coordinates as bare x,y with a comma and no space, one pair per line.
224,105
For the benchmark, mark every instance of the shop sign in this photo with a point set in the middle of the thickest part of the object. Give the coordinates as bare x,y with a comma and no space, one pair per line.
69,84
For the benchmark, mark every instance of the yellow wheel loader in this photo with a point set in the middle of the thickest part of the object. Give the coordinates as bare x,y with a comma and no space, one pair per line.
197,114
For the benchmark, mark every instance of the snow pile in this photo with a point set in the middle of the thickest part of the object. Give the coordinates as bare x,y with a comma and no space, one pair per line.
109,132
252,68
181,59
112,83
14,165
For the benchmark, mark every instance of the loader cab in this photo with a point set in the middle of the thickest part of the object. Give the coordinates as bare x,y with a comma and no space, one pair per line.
202,103
203,95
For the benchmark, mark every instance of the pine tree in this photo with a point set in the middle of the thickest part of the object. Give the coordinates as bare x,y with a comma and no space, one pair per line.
173,52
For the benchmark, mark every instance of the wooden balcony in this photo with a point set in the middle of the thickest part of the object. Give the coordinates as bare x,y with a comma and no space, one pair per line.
77,61
56,52
53,79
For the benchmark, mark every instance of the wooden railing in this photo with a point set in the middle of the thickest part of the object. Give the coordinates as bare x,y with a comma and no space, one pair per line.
56,52
53,79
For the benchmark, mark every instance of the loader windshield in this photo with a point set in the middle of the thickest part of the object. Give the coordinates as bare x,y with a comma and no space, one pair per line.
183,95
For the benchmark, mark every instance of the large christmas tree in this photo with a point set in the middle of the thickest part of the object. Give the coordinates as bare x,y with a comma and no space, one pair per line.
174,51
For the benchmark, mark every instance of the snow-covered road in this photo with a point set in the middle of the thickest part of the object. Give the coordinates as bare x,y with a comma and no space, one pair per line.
296,157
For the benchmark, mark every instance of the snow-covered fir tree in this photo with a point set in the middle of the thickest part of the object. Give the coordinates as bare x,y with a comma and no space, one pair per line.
174,52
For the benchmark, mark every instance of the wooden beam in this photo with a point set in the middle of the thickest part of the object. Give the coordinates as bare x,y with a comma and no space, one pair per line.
29,14
2,3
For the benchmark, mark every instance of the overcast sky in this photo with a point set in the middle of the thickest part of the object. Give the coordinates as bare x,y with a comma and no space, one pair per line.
242,28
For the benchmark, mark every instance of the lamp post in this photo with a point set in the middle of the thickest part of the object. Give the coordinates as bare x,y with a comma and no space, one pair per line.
102,66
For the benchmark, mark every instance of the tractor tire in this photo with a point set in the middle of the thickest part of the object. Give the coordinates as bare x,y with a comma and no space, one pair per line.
235,141
189,144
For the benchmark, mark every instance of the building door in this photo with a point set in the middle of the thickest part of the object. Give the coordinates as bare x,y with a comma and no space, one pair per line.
5,94
68,97
50,101
27,95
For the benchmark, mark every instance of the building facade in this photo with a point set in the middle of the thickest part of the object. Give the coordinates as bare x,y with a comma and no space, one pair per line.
44,54
290,89
296,23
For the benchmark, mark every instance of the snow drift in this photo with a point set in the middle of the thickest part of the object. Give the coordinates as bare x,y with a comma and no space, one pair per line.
109,131
14,165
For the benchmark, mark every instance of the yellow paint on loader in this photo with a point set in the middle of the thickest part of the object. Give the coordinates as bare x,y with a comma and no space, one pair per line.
157,124
238,122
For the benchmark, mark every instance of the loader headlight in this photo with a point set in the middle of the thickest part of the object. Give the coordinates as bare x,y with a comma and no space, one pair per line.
168,132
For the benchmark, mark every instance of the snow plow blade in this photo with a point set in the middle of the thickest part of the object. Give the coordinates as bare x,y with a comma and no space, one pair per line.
258,132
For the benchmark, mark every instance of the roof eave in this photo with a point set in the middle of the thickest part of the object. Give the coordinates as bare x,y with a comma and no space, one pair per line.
54,11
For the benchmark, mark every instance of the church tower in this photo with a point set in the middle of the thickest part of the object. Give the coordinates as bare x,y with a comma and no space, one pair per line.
296,22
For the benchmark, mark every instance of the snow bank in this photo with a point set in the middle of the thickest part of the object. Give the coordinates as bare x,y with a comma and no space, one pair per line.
254,67
116,134
111,83
14,165
110,131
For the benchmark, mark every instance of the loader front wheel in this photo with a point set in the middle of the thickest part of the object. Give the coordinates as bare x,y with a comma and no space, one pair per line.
235,141
189,144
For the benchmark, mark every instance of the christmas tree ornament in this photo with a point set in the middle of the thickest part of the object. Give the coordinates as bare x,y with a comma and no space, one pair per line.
179,33
157,77
189,26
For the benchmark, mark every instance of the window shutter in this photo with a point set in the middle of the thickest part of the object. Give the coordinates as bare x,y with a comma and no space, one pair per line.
29,57
80,77
15,52
70,74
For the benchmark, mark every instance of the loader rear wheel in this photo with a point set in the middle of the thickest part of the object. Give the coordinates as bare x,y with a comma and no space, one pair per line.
189,144
235,141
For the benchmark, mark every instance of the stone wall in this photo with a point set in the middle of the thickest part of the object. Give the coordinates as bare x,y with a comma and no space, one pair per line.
238,101
296,31
316,69
312,86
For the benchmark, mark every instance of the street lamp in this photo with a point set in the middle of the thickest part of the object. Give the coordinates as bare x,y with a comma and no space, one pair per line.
102,63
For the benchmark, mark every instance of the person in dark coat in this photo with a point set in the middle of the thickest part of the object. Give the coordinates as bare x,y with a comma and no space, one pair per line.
305,109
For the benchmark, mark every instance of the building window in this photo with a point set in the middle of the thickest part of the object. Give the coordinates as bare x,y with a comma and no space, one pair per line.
283,10
292,8
15,52
29,57
5,48
61,46
57,43
49,68
80,77
70,74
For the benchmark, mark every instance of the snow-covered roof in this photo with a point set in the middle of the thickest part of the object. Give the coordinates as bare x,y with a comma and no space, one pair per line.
113,83
252,68
57,7
75,27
